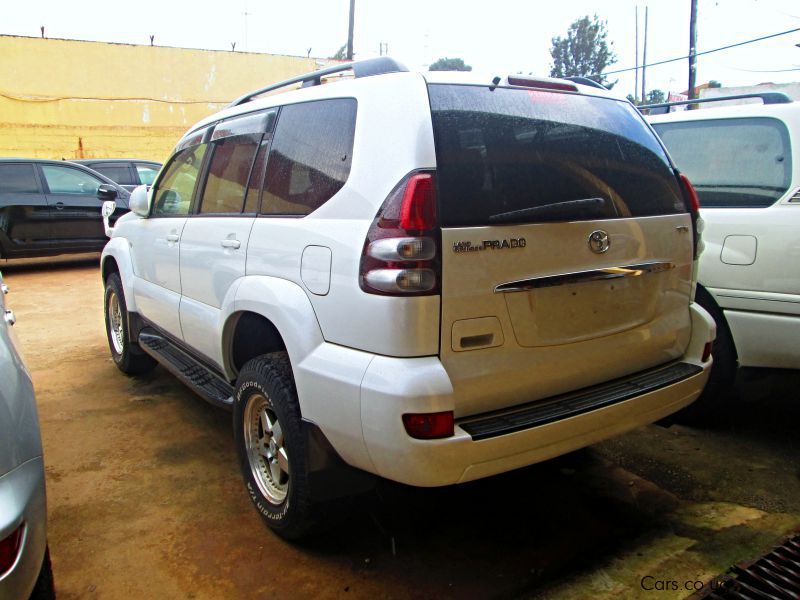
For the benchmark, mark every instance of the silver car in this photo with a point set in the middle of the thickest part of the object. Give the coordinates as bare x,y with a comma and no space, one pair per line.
24,560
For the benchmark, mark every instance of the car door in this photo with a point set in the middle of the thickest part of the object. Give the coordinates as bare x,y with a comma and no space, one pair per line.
24,214
214,240
76,222
155,247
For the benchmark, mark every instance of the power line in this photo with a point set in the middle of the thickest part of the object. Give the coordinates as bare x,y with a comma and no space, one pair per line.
663,62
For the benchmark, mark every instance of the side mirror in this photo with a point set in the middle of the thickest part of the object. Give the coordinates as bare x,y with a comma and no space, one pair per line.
139,202
106,192
109,206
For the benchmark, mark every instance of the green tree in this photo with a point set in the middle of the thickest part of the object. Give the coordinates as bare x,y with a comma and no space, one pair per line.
584,52
449,64
340,54
656,97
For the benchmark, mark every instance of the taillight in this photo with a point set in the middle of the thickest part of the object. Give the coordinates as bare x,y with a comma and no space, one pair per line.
429,426
692,201
401,252
9,549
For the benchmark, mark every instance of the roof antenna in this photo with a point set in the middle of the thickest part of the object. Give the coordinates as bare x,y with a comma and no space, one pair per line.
495,82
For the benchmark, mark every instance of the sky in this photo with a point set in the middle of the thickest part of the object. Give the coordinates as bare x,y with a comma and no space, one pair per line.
498,37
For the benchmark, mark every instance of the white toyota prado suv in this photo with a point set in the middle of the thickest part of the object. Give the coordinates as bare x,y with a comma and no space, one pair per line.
431,278
744,163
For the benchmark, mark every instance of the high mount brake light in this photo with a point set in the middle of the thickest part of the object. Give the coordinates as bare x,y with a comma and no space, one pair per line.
542,84
401,253
692,201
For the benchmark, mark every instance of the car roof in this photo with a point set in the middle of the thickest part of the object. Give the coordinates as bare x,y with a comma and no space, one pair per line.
789,112
48,161
87,161
348,85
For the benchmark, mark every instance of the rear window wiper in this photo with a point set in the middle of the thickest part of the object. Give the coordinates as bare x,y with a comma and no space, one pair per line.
583,208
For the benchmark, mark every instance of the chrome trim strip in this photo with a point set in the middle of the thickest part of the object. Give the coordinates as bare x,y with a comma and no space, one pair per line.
525,285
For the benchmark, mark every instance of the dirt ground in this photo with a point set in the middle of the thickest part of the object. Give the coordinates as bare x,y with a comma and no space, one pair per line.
145,497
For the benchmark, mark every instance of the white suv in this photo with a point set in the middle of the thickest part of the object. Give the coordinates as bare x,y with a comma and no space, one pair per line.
745,164
431,278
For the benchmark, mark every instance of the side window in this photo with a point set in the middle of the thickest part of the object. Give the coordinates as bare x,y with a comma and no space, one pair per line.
115,172
173,197
310,156
732,163
147,174
234,144
17,179
228,173
66,180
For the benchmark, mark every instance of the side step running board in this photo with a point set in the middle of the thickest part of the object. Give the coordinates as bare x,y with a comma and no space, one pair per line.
202,380
576,403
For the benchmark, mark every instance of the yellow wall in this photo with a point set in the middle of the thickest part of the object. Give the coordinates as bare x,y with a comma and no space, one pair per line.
73,99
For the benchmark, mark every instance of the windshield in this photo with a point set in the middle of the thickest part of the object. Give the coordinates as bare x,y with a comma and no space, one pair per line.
518,155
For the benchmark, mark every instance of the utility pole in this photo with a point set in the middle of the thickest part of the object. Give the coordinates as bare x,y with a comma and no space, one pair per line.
693,53
644,58
636,72
350,30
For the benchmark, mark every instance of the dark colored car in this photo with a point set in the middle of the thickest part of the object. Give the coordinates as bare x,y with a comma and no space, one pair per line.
128,173
50,207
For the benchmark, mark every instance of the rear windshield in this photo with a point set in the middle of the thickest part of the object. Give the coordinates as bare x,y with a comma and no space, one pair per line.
526,156
732,162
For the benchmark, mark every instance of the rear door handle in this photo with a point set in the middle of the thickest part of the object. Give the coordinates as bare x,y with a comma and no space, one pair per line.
173,237
235,244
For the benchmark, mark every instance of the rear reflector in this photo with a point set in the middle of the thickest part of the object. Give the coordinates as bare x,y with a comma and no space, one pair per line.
9,549
429,426
707,351
542,84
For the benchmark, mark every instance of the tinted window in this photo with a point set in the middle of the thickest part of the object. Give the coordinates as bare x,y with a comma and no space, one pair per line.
119,173
513,155
228,173
310,156
147,175
173,197
732,162
17,178
65,180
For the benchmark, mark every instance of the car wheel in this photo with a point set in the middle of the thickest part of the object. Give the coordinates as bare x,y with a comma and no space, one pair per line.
714,404
272,448
45,587
128,357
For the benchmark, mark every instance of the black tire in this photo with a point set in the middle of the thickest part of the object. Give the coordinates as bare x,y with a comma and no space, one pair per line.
129,358
265,403
713,407
45,587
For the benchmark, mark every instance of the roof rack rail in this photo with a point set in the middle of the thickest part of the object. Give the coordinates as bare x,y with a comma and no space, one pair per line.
766,98
361,68
585,81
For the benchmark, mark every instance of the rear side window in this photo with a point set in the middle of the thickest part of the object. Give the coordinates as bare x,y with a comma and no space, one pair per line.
147,174
732,163
119,173
17,179
310,156
173,196
527,156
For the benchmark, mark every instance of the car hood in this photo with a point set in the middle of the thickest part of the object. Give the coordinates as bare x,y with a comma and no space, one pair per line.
20,439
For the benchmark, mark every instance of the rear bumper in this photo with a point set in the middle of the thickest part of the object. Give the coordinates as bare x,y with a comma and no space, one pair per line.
22,500
391,387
